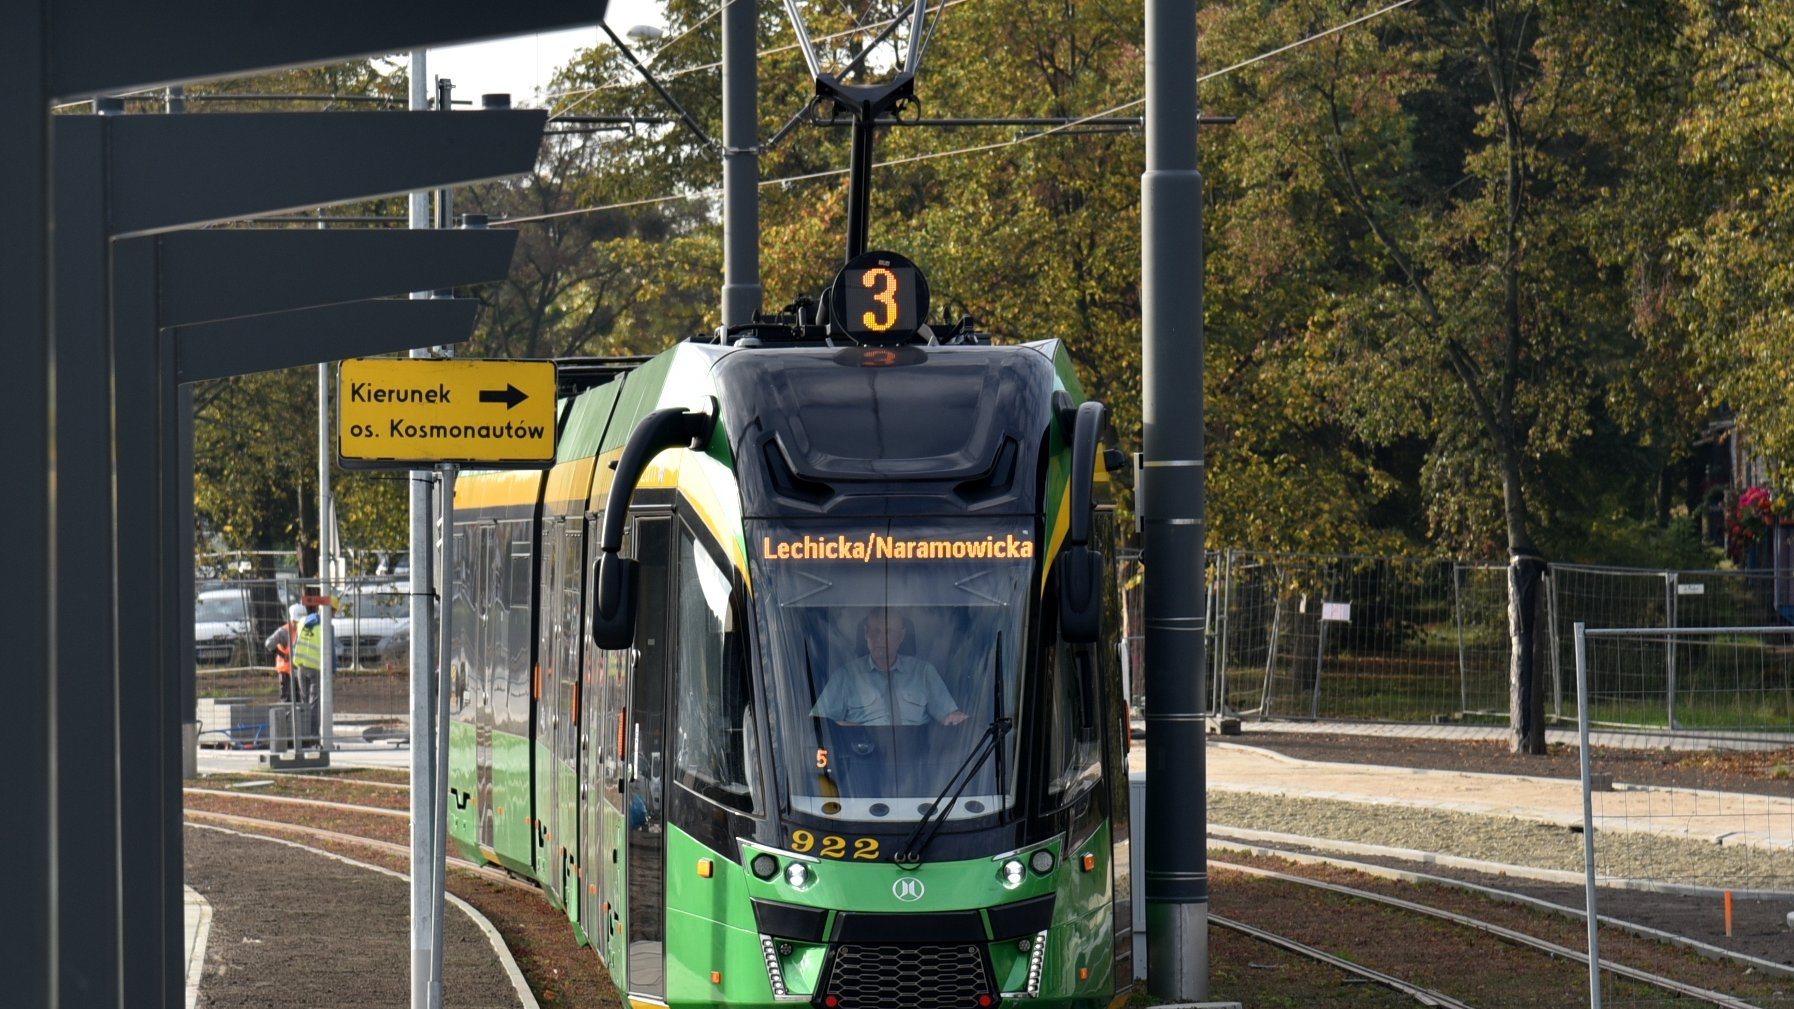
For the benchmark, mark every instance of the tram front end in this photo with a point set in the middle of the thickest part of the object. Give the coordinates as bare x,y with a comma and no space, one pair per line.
935,789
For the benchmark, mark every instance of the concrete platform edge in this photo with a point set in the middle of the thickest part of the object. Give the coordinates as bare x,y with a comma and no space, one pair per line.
197,912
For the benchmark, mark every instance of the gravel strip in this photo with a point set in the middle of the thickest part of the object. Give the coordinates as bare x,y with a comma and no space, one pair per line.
1509,840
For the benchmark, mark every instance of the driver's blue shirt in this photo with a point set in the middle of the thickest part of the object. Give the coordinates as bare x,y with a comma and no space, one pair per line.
863,693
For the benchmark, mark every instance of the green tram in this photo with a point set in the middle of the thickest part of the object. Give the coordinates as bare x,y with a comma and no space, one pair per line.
794,679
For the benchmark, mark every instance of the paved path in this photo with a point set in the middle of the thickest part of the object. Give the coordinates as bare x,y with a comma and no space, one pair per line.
1722,817
1609,738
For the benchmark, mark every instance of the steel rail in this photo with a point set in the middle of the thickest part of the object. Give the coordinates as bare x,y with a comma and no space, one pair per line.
1425,996
1314,856
1501,932
239,778
384,847
324,803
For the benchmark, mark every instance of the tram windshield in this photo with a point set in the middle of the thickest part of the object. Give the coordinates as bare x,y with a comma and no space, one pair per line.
892,651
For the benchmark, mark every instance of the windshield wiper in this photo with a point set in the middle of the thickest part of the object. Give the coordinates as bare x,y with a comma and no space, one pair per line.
910,856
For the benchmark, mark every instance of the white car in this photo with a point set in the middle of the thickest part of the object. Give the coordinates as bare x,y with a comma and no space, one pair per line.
221,626
369,616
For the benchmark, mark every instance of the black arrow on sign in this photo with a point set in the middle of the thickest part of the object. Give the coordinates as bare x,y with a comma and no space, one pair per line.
510,395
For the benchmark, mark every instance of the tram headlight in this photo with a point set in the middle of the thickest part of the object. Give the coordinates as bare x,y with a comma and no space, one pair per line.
798,875
764,866
1041,861
1011,874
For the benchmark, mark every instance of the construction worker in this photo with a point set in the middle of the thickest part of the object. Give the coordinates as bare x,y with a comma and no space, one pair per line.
308,660
281,642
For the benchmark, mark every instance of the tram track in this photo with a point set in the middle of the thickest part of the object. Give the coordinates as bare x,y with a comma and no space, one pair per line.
1317,851
357,820
1513,936
396,851
1425,996
400,852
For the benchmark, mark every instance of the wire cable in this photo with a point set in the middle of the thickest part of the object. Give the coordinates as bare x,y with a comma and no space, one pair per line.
622,80
974,149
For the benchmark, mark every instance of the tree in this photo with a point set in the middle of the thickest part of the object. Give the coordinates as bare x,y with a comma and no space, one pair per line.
255,436
1732,251
1453,159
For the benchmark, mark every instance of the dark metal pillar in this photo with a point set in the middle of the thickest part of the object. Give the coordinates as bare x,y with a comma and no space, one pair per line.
86,734
29,957
741,165
84,522
154,691
1172,508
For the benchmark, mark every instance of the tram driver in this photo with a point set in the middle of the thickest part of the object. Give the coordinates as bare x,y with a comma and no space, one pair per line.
885,687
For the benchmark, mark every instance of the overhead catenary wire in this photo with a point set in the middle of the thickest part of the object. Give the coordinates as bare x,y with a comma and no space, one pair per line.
684,116
1072,124
622,79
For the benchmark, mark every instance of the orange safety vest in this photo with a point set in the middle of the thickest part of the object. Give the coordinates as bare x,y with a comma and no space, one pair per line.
283,654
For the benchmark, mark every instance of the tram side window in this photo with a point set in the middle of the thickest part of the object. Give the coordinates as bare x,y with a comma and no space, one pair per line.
461,603
568,630
715,695
1076,748
517,639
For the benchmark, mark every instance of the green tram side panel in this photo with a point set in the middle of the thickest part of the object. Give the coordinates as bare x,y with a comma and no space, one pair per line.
1082,931
1058,473
1063,368
569,799
710,924
587,416
677,377
511,794
640,389
463,824
540,756
613,831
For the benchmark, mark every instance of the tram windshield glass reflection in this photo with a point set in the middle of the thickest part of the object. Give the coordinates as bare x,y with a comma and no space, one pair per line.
892,653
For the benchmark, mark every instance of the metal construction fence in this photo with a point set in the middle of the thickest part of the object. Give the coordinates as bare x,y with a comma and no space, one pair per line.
1290,636
239,691
1735,848
1402,639
1406,639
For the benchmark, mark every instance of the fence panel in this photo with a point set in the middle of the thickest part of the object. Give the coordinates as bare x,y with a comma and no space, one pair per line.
1735,847
234,669
1350,637
1673,682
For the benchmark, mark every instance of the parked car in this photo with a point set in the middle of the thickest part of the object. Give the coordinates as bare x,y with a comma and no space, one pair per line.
368,617
221,627
395,649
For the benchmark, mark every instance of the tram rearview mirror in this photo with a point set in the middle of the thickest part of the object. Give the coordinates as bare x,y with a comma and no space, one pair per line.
613,604
1080,572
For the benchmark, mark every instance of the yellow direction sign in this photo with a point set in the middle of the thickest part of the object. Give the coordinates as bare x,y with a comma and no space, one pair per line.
404,411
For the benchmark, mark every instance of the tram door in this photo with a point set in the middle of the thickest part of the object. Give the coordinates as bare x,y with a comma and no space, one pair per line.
602,785
646,729
568,635
543,686
488,597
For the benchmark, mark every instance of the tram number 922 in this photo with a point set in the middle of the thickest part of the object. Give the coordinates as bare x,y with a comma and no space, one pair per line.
805,842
